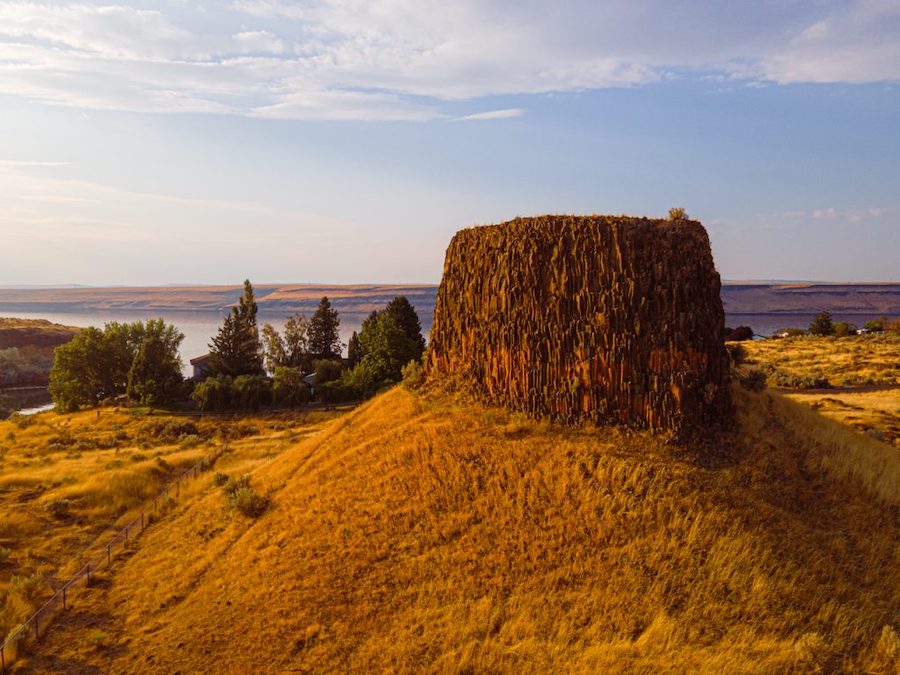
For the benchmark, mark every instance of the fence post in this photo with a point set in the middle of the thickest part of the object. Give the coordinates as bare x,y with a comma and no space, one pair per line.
126,535
36,631
108,558
64,597
142,521
88,583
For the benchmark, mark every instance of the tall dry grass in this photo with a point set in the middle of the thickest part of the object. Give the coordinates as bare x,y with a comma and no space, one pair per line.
428,533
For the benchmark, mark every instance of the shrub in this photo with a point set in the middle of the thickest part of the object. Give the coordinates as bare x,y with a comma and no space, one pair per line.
59,508
4,557
337,392
165,432
214,393
326,370
248,502
677,213
240,495
28,586
736,353
844,329
754,379
220,479
98,638
413,375
251,391
289,389
189,441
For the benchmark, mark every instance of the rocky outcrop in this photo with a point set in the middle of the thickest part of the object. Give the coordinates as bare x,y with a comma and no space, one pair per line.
607,319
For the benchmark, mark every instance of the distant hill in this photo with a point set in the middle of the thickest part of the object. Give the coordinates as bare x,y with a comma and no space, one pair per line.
426,533
360,299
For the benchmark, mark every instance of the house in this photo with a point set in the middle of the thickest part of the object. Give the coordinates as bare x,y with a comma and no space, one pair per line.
202,367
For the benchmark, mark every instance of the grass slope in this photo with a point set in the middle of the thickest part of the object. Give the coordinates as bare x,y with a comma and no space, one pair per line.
420,532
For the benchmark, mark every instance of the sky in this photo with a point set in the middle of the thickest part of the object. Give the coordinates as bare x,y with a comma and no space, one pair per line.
345,141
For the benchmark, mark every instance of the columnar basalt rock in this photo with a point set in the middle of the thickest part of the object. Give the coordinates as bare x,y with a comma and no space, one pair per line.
607,319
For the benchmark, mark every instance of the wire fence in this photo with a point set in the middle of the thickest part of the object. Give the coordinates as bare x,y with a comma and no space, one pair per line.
38,623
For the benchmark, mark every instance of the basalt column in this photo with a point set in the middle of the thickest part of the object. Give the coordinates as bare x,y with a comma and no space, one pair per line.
608,319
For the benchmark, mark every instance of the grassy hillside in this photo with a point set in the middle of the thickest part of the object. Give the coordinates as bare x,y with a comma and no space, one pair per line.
26,350
815,362
67,481
425,532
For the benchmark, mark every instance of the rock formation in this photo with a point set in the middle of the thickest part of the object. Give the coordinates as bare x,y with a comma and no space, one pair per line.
607,319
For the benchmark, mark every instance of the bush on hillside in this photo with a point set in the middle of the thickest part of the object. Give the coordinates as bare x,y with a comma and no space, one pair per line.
413,374
844,329
251,392
288,388
213,393
326,370
341,391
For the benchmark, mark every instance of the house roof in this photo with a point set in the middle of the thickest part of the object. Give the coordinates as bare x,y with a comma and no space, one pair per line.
200,360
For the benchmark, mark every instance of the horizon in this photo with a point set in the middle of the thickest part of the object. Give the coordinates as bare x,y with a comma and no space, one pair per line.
156,140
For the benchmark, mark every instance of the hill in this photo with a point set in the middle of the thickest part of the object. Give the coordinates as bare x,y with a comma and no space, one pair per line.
26,357
424,531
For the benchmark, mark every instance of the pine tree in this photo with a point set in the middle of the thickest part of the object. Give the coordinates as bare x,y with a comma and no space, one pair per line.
324,339
354,350
236,350
405,316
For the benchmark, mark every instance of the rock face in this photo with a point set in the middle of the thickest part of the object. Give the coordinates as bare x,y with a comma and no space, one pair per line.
607,319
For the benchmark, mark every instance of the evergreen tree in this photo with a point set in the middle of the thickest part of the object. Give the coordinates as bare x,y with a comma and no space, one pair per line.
236,349
354,350
821,324
324,339
405,316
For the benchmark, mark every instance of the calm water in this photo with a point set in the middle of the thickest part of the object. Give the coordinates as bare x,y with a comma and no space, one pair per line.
198,327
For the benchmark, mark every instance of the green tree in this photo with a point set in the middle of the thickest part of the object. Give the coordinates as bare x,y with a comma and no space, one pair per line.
296,342
274,350
324,338
821,325
138,358
844,329
155,373
386,348
236,349
876,325
354,350
289,389
405,316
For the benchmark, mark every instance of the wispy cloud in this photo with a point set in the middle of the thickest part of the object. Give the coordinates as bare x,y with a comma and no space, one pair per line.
505,114
389,60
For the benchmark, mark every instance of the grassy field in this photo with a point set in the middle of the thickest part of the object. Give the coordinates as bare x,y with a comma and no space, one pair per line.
67,481
816,362
425,532
855,380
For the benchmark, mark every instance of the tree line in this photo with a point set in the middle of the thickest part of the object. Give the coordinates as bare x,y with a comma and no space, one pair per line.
247,368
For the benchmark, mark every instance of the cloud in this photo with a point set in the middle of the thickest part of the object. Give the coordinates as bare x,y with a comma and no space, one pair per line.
505,114
395,60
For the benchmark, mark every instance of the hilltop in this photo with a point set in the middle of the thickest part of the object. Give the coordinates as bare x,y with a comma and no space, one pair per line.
426,531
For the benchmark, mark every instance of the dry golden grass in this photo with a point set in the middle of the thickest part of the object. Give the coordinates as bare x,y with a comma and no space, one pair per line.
812,362
424,533
67,481
876,413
